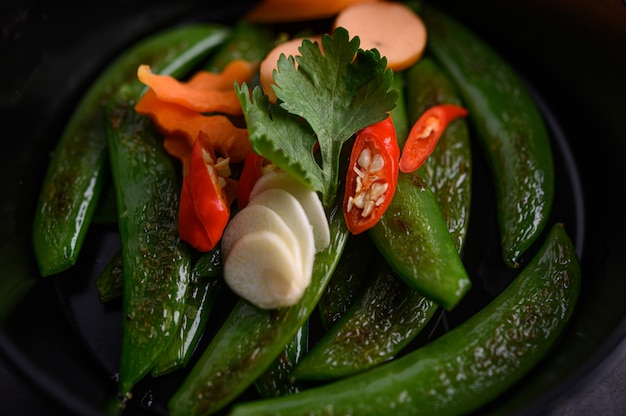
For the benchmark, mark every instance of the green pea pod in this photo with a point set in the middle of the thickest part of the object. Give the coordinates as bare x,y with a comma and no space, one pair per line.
509,125
110,282
470,365
156,262
277,379
106,208
413,237
75,175
448,169
205,284
202,291
351,276
375,329
251,339
399,112
249,42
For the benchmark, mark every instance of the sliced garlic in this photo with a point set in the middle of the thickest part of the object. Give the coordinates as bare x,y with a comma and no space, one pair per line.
291,211
307,197
262,270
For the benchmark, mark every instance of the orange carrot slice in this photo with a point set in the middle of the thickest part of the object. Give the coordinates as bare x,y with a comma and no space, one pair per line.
391,27
173,119
238,70
270,62
173,91
274,11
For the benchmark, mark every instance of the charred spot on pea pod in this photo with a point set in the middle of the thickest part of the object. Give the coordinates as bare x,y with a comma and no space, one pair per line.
417,180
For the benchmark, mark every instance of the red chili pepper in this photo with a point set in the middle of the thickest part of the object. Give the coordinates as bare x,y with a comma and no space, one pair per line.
372,175
425,134
204,209
251,172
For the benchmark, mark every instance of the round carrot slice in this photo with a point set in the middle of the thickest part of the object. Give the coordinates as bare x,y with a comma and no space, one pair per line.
273,11
270,63
392,28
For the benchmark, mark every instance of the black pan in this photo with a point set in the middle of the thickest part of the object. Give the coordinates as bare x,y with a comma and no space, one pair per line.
64,344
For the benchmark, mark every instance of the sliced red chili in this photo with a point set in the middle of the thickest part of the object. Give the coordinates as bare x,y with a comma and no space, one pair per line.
251,172
190,227
372,176
204,209
425,134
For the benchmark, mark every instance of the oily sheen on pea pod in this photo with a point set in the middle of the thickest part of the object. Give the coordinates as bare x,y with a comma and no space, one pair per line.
75,176
156,263
251,339
510,128
467,367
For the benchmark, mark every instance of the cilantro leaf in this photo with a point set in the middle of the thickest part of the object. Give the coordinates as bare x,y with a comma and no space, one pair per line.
265,125
327,97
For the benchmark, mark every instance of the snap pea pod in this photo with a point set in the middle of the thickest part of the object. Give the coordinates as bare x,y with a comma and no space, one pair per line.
510,126
110,282
249,42
399,112
277,379
105,212
251,339
202,290
389,314
470,365
351,276
413,237
77,170
156,263
246,41
377,326
205,284
448,170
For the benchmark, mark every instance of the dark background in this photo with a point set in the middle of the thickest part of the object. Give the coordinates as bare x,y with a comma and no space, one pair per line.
574,51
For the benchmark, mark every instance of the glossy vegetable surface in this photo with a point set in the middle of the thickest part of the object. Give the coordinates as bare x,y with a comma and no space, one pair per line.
351,276
448,169
425,134
277,380
247,368
466,368
76,172
204,208
374,329
251,339
156,263
413,237
250,173
509,125
204,287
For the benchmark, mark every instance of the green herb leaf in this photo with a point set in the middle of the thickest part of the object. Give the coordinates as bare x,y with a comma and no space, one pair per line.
327,97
